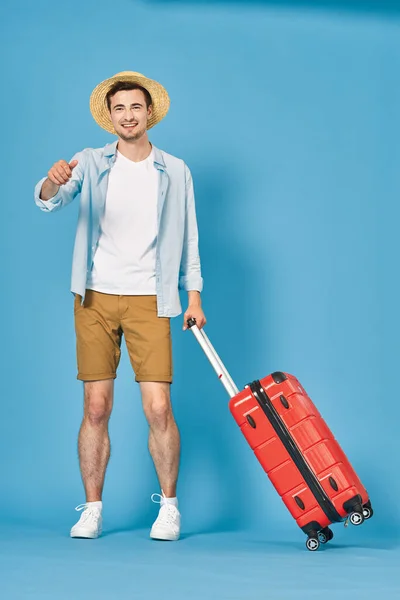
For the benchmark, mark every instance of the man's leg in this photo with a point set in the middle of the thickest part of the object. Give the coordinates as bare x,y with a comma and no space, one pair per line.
164,442
164,446
94,452
98,345
94,441
148,339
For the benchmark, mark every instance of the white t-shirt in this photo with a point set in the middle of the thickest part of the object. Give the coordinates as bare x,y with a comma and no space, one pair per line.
125,260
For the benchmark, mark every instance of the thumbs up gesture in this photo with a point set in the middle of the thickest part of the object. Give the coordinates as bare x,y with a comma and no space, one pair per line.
61,172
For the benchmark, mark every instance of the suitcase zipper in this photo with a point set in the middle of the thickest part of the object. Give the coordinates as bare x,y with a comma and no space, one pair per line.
298,459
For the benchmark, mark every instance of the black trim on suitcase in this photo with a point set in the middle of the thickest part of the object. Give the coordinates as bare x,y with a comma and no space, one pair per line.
353,505
312,529
278,377
297,457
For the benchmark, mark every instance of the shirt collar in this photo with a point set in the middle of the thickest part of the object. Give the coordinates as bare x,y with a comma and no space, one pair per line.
111,149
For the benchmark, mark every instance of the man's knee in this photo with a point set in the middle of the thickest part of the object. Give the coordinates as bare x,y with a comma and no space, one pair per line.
157,406
98,403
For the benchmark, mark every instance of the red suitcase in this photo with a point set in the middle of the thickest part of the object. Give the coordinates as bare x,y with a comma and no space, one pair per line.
297,450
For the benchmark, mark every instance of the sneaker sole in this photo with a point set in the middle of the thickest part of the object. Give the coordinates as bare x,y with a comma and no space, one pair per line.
164,538
84,535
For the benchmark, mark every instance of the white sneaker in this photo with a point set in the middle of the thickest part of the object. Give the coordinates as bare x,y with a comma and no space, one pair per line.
90,523
167,526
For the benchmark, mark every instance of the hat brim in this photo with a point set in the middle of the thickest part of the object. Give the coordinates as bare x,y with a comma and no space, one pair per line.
98,103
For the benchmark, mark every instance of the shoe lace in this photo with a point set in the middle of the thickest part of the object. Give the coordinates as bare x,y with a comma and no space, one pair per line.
160,498
167,511
89,513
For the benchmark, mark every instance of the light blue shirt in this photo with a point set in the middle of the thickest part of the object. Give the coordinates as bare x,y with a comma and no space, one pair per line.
177,253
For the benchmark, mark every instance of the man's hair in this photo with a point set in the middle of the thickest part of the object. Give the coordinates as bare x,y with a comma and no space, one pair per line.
127,86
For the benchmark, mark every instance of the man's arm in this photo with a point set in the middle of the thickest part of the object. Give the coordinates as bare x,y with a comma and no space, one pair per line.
194,298
62,184
190,270
190,278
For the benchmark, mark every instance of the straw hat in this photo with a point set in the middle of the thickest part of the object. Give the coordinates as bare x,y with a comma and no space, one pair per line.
98,102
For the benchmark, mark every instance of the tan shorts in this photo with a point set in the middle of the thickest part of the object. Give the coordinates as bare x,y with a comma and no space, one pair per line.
100,324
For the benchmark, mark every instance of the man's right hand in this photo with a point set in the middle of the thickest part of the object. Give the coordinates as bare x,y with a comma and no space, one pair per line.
59,174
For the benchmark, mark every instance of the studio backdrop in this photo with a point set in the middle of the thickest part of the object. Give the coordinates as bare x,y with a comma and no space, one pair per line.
288,117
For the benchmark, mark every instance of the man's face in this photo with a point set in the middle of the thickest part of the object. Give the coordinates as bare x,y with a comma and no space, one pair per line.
129,114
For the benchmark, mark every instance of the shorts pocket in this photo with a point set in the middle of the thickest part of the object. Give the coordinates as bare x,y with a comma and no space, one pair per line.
77,303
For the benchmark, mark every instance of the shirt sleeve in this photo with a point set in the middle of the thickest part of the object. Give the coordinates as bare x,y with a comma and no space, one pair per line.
66,193
190,269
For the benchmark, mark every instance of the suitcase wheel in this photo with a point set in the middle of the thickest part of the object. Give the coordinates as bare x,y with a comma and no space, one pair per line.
367,512
312,544
357,518
325,535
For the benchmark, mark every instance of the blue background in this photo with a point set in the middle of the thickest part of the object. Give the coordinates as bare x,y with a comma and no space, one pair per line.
287,114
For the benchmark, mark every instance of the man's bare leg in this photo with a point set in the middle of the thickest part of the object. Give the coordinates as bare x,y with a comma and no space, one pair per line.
164,446
164,442
94,441
94,453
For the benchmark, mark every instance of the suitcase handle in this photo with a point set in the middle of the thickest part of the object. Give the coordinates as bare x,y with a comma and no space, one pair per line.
214,359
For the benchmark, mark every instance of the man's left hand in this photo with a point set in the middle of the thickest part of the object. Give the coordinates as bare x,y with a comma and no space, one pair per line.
194,312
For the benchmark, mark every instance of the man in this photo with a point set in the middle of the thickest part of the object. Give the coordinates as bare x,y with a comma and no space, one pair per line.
136,245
